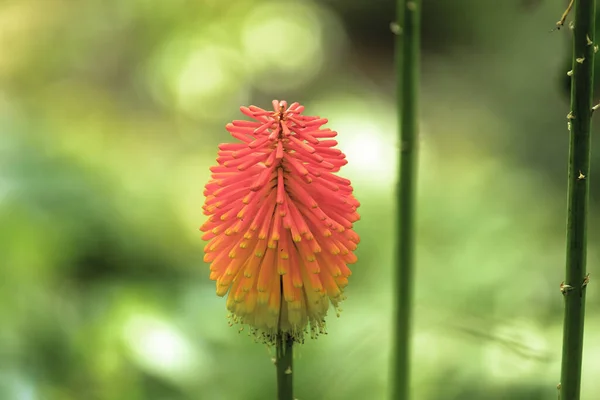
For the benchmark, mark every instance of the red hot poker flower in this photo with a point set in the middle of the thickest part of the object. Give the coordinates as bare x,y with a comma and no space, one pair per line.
280,227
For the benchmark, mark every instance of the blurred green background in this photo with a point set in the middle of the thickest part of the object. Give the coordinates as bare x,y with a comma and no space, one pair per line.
110,115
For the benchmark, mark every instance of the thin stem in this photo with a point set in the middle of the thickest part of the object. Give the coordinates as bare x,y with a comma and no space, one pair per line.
284,363
574,288
563,18
407,64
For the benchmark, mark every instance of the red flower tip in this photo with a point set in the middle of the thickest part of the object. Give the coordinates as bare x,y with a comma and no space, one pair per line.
280,221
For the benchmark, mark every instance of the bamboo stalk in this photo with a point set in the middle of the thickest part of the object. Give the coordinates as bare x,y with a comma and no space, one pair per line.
407,65
574,287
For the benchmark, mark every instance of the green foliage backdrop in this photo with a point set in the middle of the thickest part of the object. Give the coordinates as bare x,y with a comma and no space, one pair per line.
110,114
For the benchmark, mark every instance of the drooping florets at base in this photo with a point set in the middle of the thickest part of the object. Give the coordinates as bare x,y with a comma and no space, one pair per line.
313,330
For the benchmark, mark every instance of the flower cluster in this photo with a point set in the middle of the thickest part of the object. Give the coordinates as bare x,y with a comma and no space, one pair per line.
280,226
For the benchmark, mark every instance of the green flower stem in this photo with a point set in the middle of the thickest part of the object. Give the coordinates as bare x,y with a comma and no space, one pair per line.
407,67
284,363
574,288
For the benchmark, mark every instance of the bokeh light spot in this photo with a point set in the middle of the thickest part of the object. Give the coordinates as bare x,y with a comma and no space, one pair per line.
200,78
161,348
283,43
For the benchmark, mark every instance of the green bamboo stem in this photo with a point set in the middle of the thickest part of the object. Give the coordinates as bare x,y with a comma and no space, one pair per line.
574,288
284,363
407,67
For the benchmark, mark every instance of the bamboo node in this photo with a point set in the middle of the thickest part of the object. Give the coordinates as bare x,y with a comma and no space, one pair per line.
564,288
586,280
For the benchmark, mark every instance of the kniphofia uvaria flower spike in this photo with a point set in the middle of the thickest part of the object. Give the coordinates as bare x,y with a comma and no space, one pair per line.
280,227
